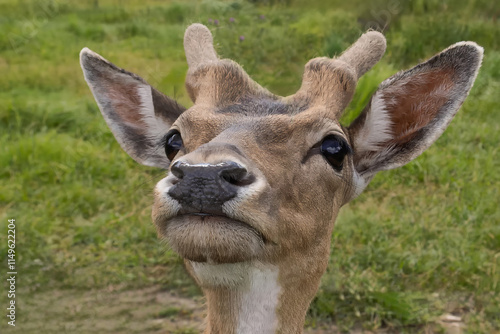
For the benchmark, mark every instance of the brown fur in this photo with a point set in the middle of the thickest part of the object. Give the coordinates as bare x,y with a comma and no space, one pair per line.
419,105
125,101
285,216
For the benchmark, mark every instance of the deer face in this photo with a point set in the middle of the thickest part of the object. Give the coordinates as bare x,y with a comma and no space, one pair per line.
240,189
257,177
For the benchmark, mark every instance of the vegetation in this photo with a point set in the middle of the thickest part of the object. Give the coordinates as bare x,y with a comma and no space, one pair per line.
422,241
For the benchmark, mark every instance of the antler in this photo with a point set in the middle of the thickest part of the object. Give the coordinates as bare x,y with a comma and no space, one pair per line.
199,46
328,82
331,82
212,80
365,52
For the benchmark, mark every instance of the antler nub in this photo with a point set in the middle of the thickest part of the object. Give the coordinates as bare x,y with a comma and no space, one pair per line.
199,45
331,82
365,52
212,80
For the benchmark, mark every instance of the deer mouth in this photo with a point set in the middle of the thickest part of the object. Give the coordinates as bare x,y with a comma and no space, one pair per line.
203,237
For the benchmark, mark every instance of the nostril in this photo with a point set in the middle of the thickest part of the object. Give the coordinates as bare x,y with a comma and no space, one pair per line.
237,175
245,181
231,178
176,169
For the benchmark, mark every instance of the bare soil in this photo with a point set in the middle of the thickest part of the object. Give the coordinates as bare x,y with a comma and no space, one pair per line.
118,310
148,310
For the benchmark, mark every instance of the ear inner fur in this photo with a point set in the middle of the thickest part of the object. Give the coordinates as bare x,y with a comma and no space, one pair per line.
417,105
125,100
424,96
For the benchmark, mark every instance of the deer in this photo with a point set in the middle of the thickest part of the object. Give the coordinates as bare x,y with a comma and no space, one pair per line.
255,181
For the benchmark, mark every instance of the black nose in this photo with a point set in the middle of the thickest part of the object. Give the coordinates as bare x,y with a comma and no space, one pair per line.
204,188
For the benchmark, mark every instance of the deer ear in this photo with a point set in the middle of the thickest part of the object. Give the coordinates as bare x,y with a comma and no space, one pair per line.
410,110
138,115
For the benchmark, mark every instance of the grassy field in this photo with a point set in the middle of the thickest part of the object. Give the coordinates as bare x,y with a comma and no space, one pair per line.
422,241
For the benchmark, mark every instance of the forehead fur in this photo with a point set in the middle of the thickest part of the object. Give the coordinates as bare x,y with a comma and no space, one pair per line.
263,106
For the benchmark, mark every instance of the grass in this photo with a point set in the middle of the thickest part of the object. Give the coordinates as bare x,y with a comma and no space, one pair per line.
421,241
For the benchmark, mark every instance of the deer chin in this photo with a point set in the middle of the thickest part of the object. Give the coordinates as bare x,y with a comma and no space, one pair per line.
213,239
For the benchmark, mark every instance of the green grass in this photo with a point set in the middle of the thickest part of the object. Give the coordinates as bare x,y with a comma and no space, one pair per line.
421,241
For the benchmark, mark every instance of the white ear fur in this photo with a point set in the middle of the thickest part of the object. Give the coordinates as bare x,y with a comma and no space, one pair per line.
156,127
378,124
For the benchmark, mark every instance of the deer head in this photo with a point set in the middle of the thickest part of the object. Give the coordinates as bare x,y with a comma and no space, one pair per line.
256,180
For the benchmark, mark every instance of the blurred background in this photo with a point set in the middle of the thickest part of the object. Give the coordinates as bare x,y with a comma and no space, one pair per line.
420,243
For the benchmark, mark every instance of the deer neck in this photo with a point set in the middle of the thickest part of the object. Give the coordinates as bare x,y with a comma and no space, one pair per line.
248,298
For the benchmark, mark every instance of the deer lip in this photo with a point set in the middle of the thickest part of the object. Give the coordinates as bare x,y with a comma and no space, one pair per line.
211,216
204,217
203,237
204,214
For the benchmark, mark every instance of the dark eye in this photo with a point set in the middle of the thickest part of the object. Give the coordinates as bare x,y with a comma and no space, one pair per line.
173,144
334,150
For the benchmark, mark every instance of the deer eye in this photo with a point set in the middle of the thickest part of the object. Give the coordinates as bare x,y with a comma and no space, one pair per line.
173,143
334,149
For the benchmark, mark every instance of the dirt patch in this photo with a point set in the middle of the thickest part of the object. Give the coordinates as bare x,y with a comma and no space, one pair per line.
117,310
149,310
